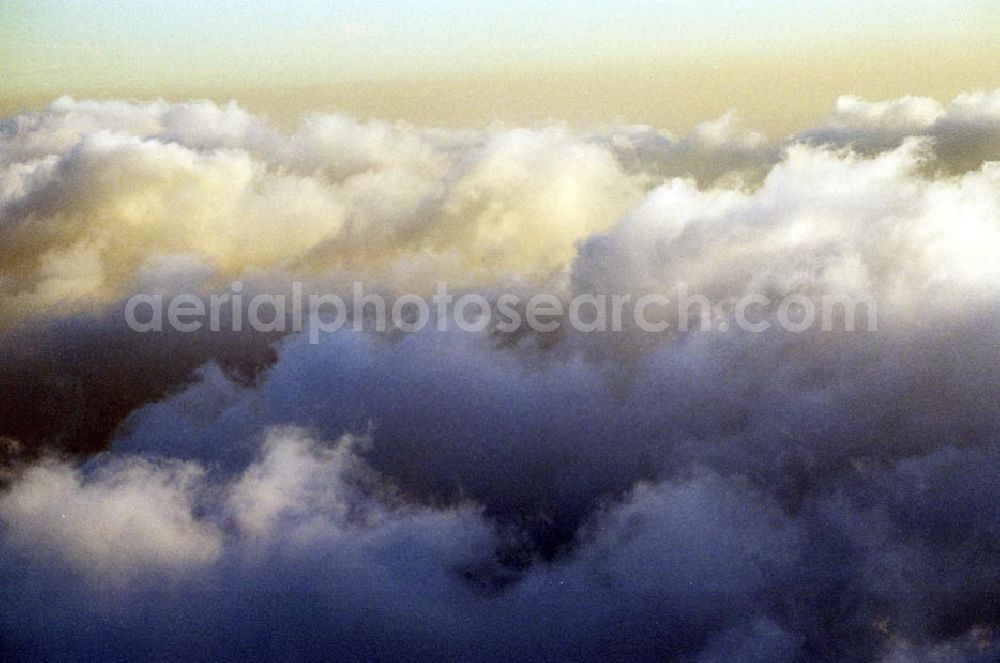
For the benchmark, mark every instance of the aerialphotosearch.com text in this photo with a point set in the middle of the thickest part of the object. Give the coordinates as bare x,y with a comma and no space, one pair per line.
326,313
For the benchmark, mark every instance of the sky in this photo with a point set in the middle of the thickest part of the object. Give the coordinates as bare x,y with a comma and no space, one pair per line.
472,62
796,461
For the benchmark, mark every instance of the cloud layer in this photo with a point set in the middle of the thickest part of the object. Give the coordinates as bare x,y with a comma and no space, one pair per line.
694,496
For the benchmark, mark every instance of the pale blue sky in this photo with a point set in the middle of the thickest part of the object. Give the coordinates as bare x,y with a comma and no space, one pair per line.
780,63
310,40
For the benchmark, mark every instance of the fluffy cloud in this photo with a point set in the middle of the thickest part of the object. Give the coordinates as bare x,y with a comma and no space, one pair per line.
819,222
83,218
129,516
965,133
689,495
93,193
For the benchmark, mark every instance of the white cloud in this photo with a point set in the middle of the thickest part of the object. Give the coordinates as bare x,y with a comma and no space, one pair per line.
131,516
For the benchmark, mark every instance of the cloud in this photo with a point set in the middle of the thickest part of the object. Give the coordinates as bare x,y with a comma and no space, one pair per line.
337,196
129,516
455,495
964,133
820,221
93,192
